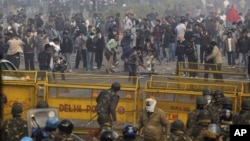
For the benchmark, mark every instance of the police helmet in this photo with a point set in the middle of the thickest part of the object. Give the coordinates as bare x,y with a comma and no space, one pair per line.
129,132
227,103
218,94
66,126
207,91
52,122
177,125
17,109
116,86
226,115
42,104
108,136
201,100
245,105
27,139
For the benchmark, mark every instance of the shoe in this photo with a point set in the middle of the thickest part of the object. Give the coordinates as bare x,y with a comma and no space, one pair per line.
196,77
95,67
70,71
112,71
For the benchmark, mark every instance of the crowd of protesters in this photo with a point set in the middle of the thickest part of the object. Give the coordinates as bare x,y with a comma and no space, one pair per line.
154,37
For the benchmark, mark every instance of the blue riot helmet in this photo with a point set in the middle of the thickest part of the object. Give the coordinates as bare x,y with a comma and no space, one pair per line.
52,122
26,139
129,132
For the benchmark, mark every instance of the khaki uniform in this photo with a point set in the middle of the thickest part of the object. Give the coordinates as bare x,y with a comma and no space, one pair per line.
153,125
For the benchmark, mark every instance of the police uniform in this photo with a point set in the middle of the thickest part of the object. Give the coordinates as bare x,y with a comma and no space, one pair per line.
178,136
15,128
60,136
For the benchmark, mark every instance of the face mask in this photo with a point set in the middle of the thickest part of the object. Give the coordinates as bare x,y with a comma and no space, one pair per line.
92,37
150,105
209,98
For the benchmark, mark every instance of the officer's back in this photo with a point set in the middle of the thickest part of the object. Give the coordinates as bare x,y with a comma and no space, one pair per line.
15,128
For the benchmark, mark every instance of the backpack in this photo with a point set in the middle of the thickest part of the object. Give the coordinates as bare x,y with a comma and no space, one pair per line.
103,102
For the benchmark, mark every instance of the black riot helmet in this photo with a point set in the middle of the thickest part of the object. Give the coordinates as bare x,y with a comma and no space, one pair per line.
108,135
207,91
201,102
17,109
177,125
116,86
227,103
218,96
245,104
42,104
66,126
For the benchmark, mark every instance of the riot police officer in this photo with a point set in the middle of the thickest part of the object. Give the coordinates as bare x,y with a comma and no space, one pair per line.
216,107
243,117
208,94
204,118
226,119
201,103
65,128
177,132
15,128
51,125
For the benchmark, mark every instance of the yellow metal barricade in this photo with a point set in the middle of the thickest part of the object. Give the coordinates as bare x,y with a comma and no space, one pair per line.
245,94
200,68
75,98
177,98
19,86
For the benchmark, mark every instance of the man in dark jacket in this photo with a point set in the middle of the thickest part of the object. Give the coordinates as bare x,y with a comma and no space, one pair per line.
44,58
28,50
100,45
67,48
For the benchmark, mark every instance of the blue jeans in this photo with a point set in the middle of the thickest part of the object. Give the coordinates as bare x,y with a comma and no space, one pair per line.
67,57
90,60
231,58
158,50
171,51
243,59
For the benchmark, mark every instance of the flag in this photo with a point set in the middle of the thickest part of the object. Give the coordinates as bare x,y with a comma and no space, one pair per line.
232,15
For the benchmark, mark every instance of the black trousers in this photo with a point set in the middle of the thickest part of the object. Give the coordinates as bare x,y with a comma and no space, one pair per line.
81,55
29,61
208,66
99,58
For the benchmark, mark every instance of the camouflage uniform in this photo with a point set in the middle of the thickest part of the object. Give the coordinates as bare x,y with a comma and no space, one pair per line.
243,117
178,136
225,131
60,136
203,120
216,107
14,129
177,132
201,103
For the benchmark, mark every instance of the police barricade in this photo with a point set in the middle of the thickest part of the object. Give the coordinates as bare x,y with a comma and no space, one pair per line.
245,94
178,98
75,98
19,86
201,69
42,79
